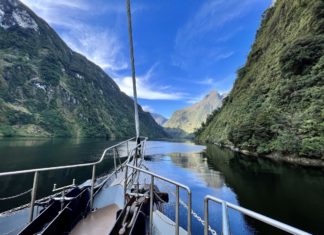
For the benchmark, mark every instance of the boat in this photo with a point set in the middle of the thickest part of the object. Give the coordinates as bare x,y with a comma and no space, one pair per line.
127,201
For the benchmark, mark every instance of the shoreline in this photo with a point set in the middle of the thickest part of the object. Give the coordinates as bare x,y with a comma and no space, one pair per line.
279,157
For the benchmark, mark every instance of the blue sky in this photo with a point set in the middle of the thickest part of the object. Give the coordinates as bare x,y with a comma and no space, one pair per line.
183,49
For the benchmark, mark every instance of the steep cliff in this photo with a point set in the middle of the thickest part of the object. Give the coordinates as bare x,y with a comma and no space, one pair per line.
277,102
46,89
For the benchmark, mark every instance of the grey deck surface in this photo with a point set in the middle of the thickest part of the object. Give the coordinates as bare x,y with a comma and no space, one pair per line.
98,222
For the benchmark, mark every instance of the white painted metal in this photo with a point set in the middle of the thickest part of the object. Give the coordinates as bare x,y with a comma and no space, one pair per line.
33,196
151,204
93,164
257,216
177,210
93,181
179,185
225,219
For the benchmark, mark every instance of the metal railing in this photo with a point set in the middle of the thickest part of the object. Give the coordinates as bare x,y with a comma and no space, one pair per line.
93,164
252,214
178,186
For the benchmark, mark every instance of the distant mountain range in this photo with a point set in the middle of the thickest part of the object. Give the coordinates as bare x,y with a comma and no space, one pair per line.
159,119
46,89
187,120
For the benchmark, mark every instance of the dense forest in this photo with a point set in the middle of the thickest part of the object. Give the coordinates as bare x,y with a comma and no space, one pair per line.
277,102
46,89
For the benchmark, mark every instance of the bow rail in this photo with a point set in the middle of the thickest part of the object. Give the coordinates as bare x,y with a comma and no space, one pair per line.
225,224
36,171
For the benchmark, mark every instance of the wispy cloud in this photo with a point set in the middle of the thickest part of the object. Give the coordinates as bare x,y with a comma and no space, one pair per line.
273,2
147,89
209,19
224,85
224,55
207,81
55,12
195,99
101,46
148,108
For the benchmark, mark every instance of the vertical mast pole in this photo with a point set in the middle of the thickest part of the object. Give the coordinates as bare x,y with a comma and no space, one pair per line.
131,50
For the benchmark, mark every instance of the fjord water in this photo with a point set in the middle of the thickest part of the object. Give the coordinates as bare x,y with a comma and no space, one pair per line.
290,194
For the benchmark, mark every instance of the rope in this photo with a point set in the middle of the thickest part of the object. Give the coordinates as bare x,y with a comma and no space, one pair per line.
15,196
132,60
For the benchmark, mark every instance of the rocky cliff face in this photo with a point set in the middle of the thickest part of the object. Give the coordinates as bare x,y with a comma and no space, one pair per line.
46,89
277,102
191,118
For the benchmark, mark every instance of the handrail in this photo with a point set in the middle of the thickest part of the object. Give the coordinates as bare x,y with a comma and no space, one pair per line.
177,184
66,166
93,164
255,215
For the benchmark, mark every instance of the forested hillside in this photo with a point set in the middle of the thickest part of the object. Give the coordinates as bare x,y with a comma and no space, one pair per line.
46,89
277,102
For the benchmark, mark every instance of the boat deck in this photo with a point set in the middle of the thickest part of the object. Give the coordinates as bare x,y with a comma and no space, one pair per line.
98,222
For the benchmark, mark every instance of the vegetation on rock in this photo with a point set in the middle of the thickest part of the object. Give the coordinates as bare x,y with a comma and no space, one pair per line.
46,89
277,102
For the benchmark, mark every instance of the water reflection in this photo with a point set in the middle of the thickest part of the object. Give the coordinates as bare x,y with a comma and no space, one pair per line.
163,148
290,194
192,169
293,195
195,162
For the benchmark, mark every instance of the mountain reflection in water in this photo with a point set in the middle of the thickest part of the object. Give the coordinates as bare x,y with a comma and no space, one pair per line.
291,194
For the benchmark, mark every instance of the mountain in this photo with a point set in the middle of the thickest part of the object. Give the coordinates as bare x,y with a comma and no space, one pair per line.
276,106
190,118
46,89
159,119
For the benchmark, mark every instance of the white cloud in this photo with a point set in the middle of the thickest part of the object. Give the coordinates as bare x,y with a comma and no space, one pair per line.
148,108
55,12
48,4
207,81
101,46
224,55
273,2
224,85
146,88
195,99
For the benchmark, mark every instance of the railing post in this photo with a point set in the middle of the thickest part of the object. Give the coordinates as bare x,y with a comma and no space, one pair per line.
127,148
225,219
115,164
206,216
151,204
177,210
125,184
93,179
189,212
33,196
143,149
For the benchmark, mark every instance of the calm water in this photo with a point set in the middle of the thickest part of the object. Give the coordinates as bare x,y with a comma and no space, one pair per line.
290,194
